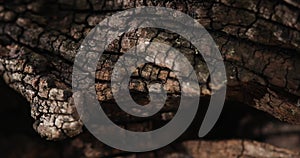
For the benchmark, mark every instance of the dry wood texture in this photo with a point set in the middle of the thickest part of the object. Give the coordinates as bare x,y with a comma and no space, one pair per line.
259,41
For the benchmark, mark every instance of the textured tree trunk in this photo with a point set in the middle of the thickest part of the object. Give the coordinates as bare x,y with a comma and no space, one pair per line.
259,41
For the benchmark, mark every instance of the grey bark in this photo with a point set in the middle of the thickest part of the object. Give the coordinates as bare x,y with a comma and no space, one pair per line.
259,41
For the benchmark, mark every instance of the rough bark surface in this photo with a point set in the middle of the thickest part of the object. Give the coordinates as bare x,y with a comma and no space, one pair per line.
259,41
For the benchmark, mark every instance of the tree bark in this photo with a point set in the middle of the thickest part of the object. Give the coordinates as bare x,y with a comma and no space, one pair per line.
259,41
